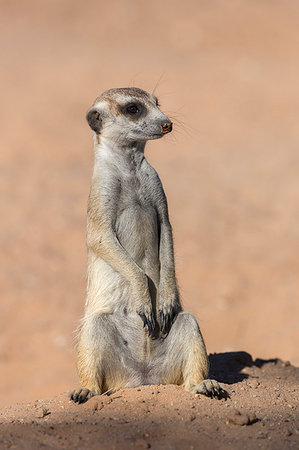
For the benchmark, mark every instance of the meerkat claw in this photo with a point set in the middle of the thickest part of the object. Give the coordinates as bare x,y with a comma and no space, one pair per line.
81,395
150,330
143,318
204,390
149,322
166,322
151,325
211,388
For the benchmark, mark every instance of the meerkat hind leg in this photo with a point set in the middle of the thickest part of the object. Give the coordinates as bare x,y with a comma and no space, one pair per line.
187,358
104,359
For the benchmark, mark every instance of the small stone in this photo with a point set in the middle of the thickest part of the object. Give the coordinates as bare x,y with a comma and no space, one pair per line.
93,404
41,412
141,443
192,417
286,363
262,435
106,400
238,418
287,433
254,384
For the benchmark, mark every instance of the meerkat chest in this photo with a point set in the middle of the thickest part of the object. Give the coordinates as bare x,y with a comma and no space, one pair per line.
137,191
136,206
137,222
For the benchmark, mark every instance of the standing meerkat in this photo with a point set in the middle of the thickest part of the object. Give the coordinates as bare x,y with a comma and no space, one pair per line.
134,330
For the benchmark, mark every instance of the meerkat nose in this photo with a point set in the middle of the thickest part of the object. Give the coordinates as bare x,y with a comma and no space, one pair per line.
166,127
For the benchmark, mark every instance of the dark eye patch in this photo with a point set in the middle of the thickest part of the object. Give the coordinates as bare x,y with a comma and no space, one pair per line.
134,110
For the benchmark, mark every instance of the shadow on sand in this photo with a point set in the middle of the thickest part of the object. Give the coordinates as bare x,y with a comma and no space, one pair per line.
227,367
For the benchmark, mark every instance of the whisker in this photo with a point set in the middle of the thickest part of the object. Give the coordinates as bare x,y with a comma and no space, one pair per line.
158,82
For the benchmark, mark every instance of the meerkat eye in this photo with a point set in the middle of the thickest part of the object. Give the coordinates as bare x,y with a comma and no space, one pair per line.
132,109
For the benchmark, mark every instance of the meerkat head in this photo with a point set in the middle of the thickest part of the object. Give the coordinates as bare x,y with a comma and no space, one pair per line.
127,115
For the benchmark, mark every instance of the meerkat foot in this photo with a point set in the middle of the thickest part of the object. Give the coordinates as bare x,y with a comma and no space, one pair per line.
81,395
210,388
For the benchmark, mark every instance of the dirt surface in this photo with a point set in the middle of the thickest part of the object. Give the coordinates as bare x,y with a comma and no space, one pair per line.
262,412
227,73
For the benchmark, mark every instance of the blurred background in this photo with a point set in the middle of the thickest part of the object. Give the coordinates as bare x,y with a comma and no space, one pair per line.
227,73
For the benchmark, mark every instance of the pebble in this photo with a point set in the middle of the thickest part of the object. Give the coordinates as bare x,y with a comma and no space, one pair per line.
238,418
254,384
41,412
262,435
288,433
141,443
106,400
93,404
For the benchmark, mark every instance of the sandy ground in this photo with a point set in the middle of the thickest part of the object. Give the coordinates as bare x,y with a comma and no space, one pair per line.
227,73
261,412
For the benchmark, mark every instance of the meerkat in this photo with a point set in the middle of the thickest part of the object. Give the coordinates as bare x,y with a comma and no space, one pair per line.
134,331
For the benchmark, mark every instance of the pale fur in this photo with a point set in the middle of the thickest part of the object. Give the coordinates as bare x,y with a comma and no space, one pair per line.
131,271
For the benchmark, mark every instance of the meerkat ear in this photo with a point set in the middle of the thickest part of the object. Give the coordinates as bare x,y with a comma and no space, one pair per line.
94,120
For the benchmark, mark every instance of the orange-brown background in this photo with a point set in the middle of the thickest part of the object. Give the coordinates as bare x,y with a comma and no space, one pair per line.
228,74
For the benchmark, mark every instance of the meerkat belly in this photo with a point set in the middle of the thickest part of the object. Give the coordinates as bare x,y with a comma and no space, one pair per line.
140,356
137,231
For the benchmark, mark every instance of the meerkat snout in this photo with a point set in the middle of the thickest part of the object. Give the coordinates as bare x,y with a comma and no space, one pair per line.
127,115
166,127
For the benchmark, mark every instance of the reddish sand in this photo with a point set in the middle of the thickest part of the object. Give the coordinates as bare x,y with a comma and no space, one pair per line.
227,73
261,413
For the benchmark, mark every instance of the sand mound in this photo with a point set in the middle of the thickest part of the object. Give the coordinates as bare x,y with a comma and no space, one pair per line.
261,412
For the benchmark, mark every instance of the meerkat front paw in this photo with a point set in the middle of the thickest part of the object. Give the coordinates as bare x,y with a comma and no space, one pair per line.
143,304
148,321
145,311
81,395
210,388
167,315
